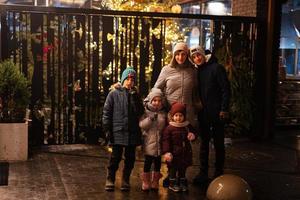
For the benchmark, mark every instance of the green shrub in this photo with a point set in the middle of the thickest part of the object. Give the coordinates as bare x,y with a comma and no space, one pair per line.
14,93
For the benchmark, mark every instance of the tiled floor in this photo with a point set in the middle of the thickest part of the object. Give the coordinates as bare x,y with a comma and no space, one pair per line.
78,172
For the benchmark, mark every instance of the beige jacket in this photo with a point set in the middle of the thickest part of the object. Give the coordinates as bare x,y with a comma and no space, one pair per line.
178,85
152,131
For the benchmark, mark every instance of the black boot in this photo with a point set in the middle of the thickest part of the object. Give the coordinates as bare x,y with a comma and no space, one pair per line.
109,185
201,178
173,185
110,181
183,184
125,186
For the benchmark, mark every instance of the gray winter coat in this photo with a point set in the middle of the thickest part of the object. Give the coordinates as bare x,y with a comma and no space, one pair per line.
121,113
178,85
152,131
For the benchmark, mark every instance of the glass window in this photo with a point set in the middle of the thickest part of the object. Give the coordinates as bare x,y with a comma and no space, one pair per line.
210,7
290,38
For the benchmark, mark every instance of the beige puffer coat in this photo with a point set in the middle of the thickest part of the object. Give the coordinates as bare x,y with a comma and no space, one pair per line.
178,85
152,128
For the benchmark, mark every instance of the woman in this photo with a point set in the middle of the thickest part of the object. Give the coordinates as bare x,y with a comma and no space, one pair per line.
178,80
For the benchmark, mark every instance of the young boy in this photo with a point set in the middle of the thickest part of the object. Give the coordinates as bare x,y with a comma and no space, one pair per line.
177,148
214,90
121,112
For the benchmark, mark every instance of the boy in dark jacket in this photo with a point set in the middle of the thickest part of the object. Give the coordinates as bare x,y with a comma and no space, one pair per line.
176,147
214,90
121,112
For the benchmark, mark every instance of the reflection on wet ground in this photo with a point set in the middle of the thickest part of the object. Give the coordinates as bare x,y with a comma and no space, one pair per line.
79,171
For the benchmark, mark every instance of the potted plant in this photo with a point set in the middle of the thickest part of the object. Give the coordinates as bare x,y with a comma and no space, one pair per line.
14,98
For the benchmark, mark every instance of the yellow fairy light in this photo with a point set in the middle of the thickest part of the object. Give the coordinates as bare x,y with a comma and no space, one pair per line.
156,32
109,149
172,32
110,36
176,9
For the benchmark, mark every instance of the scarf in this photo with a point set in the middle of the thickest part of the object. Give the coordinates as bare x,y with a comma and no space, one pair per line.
182,124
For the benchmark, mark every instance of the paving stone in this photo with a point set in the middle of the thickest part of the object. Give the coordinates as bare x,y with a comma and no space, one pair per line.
79,171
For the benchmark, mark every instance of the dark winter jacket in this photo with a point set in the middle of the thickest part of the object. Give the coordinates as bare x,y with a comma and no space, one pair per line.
175,141
214,90
121,113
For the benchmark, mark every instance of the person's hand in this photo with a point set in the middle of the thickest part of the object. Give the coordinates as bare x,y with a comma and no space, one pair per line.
224,115
102,141
154,117
168,157
105,139
191,136
107,136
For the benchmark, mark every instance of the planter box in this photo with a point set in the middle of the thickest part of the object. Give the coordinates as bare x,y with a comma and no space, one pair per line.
13,141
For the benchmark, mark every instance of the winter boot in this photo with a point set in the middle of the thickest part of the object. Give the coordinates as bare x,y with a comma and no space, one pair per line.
109,185
110,181
201,178
155,180
173,185
183,184
125,186
146,181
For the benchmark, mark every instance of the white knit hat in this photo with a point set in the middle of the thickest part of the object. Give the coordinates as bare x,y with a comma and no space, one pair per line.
181,46
155,92
196,49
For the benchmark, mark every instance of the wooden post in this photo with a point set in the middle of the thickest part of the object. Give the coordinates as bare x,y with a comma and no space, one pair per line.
267,68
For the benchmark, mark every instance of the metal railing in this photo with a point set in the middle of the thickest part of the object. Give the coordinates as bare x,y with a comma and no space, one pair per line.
73,56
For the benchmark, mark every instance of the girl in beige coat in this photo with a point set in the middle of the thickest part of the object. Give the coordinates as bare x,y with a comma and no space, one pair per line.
152,124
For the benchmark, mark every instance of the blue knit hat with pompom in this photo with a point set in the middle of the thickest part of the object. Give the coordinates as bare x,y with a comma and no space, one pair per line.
128,72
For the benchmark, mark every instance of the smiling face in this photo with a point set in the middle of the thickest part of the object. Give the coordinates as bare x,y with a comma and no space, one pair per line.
198,58
180,57
156,102
178,117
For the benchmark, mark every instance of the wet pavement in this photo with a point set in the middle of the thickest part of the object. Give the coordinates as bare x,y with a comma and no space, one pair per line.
78,172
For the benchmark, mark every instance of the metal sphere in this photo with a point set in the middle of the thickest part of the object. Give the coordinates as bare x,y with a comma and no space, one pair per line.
229,187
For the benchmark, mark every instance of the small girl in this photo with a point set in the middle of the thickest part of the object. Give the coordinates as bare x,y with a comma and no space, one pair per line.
152,124
176,146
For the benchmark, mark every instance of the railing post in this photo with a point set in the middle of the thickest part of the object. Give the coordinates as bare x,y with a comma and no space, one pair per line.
4,35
